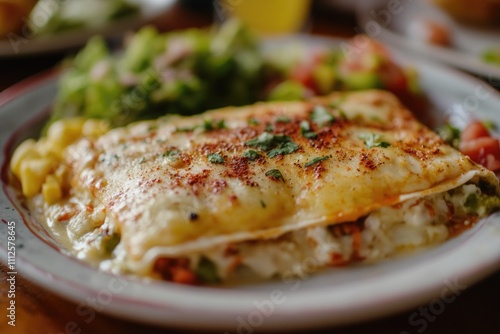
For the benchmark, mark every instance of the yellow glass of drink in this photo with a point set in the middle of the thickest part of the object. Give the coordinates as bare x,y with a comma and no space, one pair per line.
267,16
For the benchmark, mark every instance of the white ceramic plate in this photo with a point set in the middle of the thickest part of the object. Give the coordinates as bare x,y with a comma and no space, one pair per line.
330,297
391,25
21,45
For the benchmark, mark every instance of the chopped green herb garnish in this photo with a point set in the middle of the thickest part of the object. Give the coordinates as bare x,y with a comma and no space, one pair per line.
216,158
266,141
275,175
316,160
251,155
450,134
269,128
273,144
262,204
207,126
211,125
282,149
305,130
186,129
320,116
171,155
373,140
207,271
471,203
253,121
283,119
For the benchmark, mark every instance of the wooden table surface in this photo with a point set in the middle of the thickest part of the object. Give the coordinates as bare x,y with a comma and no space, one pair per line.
475,310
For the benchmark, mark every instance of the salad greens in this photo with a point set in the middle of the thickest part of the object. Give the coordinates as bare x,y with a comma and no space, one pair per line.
191,71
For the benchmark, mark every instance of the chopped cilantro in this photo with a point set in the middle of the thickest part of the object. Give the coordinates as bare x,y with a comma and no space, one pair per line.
373,140
282,149
269,128
266,141
251,155
207,271
216,158
253,121
275,175
471,203
316,160
320,116
211,125
283,119
186,129
171,155
273,144
207,126
305,130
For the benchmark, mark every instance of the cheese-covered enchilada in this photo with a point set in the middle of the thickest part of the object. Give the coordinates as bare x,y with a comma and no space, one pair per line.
342,178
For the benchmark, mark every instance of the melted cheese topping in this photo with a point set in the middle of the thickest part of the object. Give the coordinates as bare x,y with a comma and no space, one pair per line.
156,184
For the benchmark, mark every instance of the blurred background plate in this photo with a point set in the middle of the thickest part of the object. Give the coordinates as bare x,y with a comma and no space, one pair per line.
402,26
19,45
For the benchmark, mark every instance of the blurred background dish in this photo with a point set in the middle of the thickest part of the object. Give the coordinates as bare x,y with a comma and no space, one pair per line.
435,29
52,26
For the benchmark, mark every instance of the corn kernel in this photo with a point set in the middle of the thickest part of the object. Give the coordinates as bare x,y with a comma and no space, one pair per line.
94,128
47,149
64,132
25,151
51,190
33,174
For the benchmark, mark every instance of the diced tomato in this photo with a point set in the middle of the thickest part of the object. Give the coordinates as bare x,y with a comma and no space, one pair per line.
483,150
304,71
337,260
373,57
175,270
397,83
304,74
183,276
474,130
